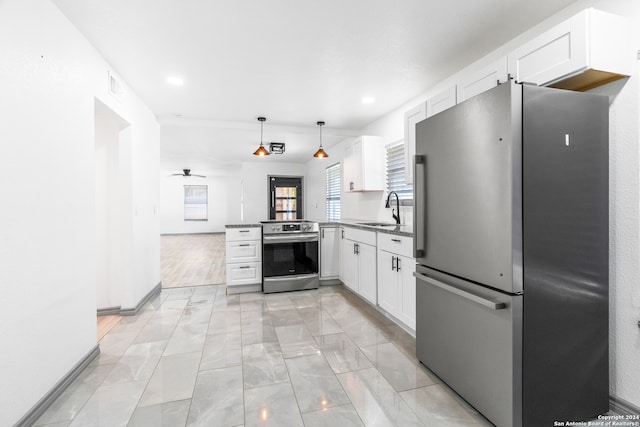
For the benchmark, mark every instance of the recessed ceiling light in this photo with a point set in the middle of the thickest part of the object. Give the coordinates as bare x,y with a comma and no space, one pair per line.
176,81
368,100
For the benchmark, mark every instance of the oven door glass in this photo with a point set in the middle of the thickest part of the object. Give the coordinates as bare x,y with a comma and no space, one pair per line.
290,258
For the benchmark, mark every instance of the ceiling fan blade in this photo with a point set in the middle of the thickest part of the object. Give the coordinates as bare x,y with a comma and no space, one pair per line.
199,176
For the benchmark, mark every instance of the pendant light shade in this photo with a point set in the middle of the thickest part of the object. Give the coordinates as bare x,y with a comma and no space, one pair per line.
320,154
261,151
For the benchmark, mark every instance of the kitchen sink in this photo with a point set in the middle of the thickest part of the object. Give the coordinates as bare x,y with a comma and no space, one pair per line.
378,224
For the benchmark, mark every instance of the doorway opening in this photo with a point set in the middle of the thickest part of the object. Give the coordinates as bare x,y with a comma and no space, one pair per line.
112,190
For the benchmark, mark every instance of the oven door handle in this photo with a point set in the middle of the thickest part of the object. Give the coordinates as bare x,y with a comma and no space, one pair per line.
291,238
298,277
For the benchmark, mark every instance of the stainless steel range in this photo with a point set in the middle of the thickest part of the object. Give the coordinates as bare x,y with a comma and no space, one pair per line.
289,255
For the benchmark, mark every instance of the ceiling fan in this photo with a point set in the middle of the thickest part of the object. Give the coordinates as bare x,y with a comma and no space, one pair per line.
187,172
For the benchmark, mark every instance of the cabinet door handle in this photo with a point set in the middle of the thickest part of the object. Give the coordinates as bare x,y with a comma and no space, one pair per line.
323,233
393,263
244,244
244,231
397,263
245,266
343,233
396,240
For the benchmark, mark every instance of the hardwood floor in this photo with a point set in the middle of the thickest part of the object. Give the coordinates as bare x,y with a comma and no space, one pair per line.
105,323
192,260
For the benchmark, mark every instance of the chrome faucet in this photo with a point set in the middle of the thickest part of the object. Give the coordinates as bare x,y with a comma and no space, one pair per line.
387,205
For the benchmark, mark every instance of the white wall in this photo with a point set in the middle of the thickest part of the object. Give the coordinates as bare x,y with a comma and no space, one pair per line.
624,192
255,187
224,195
49,78
236,194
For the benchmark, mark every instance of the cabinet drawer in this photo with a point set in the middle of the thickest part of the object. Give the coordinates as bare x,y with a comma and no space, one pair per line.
244,273
244,251
241,234
362,236
400,245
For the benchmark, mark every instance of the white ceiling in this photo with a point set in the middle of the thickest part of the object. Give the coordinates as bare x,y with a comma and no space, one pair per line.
294,62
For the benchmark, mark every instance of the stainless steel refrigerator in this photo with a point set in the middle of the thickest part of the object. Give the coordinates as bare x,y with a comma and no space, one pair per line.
511,241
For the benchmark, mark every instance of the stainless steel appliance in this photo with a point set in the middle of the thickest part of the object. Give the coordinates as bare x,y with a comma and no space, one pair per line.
289,255
511,241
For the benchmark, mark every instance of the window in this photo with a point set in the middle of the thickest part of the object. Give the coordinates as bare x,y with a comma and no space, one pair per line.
285,198
333,192
395,172
195,202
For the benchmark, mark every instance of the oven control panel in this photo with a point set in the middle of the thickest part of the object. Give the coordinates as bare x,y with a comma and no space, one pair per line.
290,227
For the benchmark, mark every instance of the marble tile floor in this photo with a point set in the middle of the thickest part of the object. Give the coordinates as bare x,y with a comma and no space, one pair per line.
197,357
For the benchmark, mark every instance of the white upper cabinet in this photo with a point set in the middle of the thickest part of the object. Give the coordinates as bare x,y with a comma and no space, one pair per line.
434,105
364,165
441,101
411,117
585,51
482,80
588,50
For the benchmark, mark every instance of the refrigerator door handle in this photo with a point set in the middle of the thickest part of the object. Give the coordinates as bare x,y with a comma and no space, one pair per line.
420,162
464,294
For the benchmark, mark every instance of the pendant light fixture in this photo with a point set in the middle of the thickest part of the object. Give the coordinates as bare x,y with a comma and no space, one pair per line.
320,154
261,151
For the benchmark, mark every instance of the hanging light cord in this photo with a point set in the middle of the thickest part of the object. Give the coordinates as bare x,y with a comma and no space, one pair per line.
320,124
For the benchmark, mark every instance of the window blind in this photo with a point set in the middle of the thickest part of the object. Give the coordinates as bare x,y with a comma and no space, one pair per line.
333,192
395,172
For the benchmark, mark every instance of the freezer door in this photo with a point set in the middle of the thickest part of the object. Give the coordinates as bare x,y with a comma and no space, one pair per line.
467,190
470,337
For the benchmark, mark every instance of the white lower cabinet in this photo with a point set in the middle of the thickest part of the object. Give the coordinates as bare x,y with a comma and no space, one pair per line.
358,263
351,269
367,274
379,267
245,273
244,259
396,284
388,290
329,252
342,246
